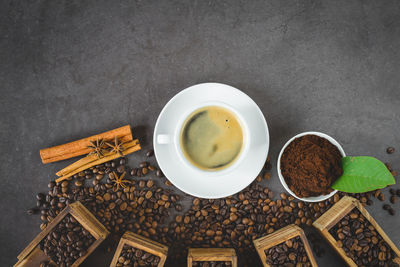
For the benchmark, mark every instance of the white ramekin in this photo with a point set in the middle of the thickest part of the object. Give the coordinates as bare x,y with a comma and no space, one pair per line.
307,199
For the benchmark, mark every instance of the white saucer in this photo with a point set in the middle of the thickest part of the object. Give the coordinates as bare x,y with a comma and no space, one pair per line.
208,184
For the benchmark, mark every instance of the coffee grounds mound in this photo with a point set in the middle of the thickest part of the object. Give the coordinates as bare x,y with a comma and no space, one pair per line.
310,164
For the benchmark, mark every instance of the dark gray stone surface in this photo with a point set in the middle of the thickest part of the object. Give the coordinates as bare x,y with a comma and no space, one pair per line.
73,68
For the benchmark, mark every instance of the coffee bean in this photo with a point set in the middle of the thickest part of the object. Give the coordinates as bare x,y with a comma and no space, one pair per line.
120,168
143,164
390,150
32,211
150,153
159,173
386,207
391,211
393,199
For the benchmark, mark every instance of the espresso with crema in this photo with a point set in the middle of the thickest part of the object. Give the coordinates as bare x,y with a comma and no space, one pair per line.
211,138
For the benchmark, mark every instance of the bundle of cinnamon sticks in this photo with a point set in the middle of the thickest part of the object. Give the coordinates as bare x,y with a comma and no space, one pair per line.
81,147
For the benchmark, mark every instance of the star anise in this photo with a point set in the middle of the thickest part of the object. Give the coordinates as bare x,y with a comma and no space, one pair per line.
116,146
97,147
119,181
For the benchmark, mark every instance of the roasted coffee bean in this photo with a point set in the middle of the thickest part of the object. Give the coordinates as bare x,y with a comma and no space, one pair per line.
143,164
32,211
391,211
394,199
386,207
120,168
398,192
133,172
390,150
40,196
159,173
150,153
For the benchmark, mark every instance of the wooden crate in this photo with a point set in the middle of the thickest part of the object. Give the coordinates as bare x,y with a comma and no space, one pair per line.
280,236
32,255
211,254
336,213
143,243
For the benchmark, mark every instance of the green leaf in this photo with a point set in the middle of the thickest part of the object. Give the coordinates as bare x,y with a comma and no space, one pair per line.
363,174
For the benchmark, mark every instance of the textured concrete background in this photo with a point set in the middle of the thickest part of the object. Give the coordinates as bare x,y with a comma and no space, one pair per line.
69,69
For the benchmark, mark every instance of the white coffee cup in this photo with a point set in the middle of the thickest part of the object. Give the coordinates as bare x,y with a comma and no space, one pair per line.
167,139
210,183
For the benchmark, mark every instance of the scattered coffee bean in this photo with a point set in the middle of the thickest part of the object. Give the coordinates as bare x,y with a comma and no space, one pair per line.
150,153
159,173
394,199
32,211
390,150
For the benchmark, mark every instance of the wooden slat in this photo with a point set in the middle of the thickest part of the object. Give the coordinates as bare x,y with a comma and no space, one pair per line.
88,221
43,233
143,243
211,254
83,216
335,213
280,236
34,258
331,217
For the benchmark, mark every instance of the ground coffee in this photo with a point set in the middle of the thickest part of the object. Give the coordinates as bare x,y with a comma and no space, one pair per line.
310,164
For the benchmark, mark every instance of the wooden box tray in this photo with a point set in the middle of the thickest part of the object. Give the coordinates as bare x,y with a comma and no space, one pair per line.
280,236
143,243
211,254
32,255
332,216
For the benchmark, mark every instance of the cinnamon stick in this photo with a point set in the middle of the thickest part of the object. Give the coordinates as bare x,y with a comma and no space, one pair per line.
80,147
88,159
86,164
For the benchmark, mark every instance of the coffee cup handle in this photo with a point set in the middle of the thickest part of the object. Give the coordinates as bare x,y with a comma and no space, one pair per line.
164,139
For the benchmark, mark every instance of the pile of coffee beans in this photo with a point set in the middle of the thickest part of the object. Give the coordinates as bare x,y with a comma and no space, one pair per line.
134,257
237,220
67,242
290,253
361,242
211,264
148,207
